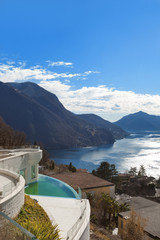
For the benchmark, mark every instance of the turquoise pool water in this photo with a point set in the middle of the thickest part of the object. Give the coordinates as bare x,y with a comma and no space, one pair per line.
48,186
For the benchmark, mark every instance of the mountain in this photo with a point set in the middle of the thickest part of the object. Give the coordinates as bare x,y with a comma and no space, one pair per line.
118,133
139,121
39,114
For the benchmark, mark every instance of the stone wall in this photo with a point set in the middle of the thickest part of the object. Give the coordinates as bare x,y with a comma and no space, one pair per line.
11,205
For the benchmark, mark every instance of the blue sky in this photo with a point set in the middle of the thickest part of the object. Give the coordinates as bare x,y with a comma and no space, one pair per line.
97,56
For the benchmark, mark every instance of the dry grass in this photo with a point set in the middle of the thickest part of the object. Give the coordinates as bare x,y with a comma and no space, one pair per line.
33,218
96,234
102,234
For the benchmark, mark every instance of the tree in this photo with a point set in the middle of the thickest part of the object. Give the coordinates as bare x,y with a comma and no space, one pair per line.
104,210
123,207
45,156
106,171
114,171
158,182
9,137
52,165
72,168
133,171
142,171
134,229
19,138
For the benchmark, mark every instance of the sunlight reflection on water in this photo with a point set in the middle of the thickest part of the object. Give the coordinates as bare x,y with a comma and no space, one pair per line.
133,151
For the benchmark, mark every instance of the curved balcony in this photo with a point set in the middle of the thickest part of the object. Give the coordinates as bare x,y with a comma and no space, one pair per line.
11,192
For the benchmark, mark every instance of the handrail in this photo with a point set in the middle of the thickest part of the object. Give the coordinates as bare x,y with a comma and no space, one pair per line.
73,231
8,188
5,166
20,147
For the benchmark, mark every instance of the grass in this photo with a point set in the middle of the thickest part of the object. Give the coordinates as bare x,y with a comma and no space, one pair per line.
33,218
96,234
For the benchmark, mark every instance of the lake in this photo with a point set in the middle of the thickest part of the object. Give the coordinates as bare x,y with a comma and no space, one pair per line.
136,149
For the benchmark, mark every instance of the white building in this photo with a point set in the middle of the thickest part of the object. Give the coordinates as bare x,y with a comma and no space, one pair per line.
19,167
13,164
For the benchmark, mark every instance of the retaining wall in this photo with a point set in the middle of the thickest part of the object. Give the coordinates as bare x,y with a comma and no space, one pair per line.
12,204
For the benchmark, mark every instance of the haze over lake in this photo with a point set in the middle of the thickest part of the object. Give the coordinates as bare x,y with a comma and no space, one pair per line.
137,149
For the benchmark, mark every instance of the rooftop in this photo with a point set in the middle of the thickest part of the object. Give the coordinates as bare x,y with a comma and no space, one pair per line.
84,180
148,210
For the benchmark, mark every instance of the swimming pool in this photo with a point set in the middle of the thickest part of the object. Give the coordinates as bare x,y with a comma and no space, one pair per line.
48,186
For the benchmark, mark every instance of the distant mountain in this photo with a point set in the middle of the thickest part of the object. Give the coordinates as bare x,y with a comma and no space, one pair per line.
118,133
139,121
31,109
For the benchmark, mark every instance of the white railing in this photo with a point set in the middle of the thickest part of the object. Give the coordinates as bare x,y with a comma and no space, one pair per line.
7,189
6,166
76,227
20,147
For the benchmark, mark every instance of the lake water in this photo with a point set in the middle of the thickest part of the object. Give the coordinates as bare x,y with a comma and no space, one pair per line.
137,149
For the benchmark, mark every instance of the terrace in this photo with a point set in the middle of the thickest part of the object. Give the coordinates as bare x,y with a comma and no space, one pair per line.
19,167
71,215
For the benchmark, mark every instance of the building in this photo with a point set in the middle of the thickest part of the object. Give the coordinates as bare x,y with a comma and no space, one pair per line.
23,161
19,167
87,182
148,210
13,164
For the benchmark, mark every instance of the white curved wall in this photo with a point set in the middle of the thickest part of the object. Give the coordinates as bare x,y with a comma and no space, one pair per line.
12,203
11,164
83,232
22,159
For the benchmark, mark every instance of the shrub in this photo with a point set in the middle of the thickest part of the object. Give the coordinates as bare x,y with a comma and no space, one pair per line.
33,218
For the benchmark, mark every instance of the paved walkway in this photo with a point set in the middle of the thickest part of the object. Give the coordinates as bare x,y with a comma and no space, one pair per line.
62,211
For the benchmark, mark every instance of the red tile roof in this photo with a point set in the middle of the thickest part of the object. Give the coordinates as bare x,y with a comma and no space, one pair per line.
84,180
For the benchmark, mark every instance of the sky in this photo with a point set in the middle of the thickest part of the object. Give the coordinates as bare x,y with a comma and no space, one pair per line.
97,56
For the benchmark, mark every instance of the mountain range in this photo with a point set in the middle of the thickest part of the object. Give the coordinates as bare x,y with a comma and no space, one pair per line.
118,133
139,121
40,115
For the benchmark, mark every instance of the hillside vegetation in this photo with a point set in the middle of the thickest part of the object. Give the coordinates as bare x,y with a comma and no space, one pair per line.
33,218
97,121
10,138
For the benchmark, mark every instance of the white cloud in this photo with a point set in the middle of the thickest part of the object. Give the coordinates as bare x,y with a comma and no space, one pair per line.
12,73
90,72
102,100
59,63
10,62
60,89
